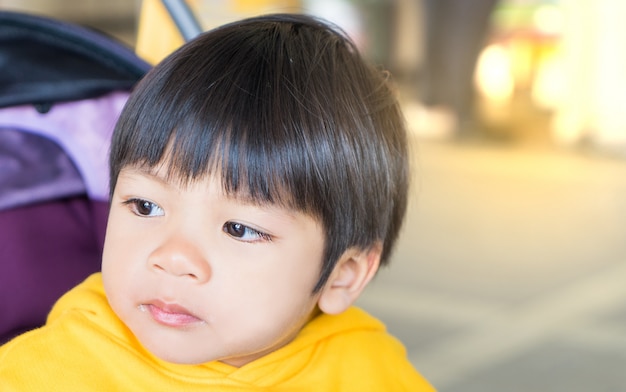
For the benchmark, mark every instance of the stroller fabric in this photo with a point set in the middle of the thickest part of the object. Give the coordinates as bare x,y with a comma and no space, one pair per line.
62,88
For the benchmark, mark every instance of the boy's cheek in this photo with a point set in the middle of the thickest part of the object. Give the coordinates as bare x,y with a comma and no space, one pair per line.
120,245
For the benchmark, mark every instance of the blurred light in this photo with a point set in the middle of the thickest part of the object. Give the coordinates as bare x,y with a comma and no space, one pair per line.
493,74
548,19
549,83
522,54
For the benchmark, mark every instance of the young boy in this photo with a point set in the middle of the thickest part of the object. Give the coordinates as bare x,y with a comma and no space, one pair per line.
258,179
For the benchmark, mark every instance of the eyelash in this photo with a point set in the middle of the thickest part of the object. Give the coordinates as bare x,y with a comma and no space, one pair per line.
229,228
136,205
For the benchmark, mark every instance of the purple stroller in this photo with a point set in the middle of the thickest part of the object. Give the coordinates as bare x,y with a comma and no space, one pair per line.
62,88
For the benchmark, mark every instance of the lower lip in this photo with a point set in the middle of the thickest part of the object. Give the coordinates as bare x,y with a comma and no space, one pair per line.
171,319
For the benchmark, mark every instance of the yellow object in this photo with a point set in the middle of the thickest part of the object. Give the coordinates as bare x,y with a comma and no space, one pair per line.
254,6
84,347
158,36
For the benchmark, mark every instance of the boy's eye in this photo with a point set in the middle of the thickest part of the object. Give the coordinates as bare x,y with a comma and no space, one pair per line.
144,207
244,233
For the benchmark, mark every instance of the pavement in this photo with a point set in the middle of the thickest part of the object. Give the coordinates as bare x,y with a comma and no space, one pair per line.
510,272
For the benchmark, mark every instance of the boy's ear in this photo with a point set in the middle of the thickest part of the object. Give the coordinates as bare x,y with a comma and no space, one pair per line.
353,271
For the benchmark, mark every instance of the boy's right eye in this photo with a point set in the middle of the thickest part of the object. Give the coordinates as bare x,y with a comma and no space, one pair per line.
143,207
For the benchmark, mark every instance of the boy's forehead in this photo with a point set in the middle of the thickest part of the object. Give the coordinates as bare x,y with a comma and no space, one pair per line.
162,174
155,173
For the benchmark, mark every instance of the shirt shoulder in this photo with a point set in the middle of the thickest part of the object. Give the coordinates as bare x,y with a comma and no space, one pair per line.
354,352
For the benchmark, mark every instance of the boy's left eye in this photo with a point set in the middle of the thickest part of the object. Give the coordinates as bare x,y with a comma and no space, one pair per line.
244,233
144,207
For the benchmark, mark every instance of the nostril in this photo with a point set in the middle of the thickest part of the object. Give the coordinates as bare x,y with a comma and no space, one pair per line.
160,268
176,258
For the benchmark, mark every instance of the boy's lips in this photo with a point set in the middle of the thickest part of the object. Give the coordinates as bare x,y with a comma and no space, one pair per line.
170,314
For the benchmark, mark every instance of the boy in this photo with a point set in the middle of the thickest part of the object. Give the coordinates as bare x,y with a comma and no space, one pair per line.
258,180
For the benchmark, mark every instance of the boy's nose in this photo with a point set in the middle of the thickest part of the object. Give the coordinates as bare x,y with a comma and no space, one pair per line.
180,258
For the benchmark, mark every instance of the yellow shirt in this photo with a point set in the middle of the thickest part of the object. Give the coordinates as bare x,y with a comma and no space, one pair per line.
85,347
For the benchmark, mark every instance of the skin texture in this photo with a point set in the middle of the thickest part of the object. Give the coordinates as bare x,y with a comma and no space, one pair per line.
199,276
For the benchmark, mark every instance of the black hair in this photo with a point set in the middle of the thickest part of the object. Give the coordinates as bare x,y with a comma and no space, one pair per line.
285,110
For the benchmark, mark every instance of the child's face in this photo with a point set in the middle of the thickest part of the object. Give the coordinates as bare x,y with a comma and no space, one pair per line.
198,276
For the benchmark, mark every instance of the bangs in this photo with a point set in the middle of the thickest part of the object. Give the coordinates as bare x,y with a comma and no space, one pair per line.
246,128
251,166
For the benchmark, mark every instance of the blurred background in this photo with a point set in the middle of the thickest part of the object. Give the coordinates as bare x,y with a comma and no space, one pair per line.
510,273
